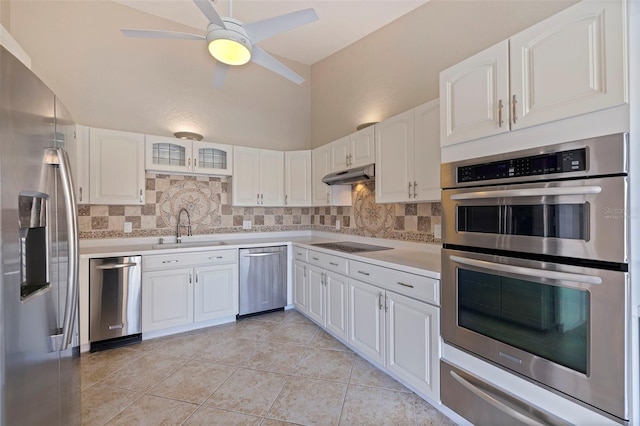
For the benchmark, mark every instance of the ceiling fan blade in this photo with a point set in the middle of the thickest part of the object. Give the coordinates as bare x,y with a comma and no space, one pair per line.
263,59
207,9
219,74
161,34
261,30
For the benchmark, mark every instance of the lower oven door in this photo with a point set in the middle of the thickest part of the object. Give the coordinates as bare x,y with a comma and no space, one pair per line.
561,325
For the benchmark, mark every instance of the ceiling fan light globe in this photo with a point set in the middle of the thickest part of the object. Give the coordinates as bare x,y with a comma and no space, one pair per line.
229,51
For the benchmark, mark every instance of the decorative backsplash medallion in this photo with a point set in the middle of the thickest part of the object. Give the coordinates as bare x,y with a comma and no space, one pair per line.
207,201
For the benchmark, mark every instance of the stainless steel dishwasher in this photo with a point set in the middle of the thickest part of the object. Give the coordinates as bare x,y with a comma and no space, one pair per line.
115,301
263,279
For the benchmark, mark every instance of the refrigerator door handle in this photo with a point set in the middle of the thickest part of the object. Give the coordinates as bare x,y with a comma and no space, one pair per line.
72,261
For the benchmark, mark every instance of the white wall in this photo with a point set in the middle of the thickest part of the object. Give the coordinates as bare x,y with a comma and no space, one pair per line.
154,86
397,67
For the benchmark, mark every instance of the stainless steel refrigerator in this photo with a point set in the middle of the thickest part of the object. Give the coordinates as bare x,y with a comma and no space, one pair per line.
39,349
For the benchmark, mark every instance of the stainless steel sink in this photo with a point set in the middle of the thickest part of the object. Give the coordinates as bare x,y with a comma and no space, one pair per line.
187,244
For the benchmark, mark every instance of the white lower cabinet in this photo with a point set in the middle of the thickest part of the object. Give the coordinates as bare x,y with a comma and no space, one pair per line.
366,320
185,288
167,299
398,333
328,300
300,287
215,292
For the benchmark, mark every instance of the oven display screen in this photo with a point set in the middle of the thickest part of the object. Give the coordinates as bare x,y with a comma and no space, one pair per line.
552,163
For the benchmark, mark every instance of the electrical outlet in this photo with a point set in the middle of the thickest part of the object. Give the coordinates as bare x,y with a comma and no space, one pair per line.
246,224
337,225
437,231
128,227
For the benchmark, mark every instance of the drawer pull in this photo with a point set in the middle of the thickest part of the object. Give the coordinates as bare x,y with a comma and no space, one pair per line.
170,261
215,257
334,264
315,258
299,254
405,285
364,273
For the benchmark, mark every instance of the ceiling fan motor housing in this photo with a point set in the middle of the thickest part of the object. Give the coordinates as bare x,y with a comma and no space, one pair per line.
234,37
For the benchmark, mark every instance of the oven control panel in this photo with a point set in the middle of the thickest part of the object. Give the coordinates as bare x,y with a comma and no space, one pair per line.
556,162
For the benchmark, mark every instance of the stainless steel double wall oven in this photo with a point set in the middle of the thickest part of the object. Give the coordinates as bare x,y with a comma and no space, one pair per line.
535,263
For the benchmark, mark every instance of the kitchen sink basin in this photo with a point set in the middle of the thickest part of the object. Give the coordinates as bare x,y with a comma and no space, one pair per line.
187,245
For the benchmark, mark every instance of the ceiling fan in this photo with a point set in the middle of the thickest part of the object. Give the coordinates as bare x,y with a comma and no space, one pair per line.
233,43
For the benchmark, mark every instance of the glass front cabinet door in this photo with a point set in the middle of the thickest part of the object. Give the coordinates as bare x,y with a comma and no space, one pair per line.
164,154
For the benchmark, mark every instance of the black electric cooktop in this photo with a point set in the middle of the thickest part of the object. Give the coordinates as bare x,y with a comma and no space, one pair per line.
351,247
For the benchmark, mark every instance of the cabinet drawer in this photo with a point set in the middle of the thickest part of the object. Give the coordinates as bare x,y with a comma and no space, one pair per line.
412,285
327,261
301,254
170,261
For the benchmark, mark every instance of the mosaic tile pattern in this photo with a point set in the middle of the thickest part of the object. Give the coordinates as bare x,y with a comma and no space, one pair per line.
207,201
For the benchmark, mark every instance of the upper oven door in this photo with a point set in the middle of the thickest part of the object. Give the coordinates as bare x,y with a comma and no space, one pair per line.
574,218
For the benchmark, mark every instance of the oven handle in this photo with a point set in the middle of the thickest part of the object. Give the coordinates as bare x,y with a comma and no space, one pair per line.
528,192
530,272
495,402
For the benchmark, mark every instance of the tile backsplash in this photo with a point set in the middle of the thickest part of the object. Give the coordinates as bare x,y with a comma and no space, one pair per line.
208,202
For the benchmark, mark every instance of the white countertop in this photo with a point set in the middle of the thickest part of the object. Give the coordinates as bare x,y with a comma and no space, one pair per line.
418,258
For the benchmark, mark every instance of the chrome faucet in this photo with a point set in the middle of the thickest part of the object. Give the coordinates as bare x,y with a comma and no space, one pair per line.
179,225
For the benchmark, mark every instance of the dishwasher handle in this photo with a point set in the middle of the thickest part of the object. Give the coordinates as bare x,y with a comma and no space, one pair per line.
271,253
117,265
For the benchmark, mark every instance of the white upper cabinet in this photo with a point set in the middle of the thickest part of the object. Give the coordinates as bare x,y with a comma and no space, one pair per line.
355,150
323,194
116,167
78,150
271,178
570,64
297,178
258,177
475,96
426,152
164,154
408,160
340,151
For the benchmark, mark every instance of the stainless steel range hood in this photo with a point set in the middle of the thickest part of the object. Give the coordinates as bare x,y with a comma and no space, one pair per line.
359,174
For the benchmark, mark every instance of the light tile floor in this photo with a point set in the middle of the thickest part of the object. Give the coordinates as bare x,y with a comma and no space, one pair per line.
272,369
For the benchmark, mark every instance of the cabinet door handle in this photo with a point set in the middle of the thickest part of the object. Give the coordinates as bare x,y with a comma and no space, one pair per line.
405,285
141,195
261,198
364,273
328,196
350,159
415,185
346,159
195,163
170,261
305,272
80,193
500,113
190,277
409,189
189,163
380,300
285,199
514,110
332,263
386,304
257,198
